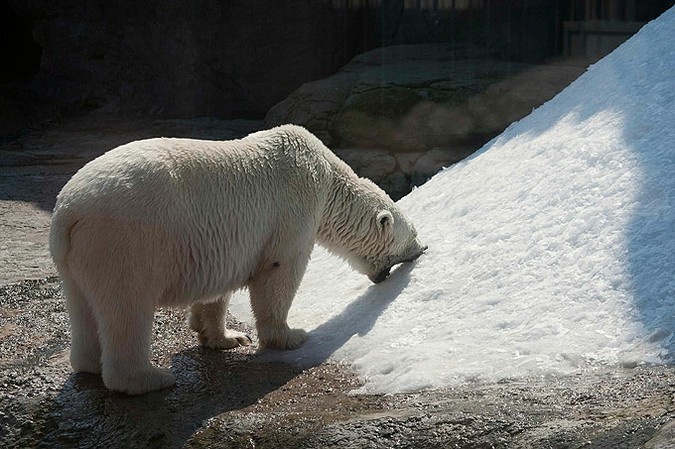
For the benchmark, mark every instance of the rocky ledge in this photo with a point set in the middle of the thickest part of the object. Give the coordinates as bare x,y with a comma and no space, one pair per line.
399,114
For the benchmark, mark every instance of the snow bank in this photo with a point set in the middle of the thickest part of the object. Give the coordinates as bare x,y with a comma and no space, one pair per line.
552,250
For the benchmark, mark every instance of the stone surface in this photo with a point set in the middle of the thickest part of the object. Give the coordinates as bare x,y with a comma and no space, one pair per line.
230,399
429,164
180,58
417,97
412,99
371,163
370,103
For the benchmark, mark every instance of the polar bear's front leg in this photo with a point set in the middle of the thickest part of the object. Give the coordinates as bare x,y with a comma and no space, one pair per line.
208,320
272,292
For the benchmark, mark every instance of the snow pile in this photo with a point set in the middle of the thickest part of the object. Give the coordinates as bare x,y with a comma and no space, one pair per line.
551,250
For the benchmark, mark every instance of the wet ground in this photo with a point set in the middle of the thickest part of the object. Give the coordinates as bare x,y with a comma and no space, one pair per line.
230,398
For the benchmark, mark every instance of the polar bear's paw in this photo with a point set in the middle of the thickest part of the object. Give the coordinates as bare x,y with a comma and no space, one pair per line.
228,340
139,382
282,338
85,364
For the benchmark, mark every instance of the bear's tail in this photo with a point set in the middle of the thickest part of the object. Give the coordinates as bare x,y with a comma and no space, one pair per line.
60,233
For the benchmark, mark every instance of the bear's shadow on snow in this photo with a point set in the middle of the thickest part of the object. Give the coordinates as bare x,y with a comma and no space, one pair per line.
358,318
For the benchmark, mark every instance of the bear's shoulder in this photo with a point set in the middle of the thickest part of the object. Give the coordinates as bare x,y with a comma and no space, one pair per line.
289,134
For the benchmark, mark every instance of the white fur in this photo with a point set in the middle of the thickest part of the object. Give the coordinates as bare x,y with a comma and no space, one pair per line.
180,222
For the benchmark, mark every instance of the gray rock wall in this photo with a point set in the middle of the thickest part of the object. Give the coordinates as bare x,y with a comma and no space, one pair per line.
237,58
399,114
182,58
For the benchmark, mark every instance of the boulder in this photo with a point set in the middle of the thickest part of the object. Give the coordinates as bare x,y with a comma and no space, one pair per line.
180,58
428,105
417,97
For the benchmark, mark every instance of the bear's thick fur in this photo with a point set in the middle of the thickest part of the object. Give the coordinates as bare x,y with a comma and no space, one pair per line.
181,222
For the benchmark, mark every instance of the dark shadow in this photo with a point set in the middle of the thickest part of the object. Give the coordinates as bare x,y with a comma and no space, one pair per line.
19,53
209,383
36,185
358,318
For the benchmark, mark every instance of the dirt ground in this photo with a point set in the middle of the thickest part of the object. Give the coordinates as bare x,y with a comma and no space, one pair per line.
230,398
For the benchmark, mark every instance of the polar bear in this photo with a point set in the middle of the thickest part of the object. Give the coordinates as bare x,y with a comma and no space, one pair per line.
182,222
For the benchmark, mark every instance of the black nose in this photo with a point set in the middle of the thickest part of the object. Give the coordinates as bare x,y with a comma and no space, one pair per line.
421,251
381,276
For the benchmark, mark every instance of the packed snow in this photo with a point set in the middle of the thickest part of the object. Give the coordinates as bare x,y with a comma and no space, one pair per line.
551,250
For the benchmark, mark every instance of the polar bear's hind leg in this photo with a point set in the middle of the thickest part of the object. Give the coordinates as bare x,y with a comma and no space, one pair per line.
85,349
125,330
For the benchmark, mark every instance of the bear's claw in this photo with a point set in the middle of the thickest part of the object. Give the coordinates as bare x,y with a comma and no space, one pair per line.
231,339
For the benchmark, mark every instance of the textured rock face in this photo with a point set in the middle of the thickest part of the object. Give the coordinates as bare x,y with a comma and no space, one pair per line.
426,106
418,97
389,106
182,58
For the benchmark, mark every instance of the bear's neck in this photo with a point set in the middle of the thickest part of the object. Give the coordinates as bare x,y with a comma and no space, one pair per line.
344,222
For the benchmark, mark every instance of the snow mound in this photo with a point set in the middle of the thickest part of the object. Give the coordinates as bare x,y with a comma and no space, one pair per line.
552,250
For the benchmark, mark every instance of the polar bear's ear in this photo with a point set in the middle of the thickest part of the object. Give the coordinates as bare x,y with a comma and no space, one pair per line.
385,218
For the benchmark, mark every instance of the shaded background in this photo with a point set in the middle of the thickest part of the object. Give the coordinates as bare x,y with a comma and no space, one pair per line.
398,88
237,58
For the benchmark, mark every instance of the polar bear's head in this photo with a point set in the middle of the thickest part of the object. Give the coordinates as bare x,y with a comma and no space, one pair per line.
393,241
363,225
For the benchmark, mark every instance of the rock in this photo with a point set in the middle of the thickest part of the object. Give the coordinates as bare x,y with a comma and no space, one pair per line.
231,59
431,163
403,98
396,173
411,98
406,162
396,184
313,105
380,166
664,438
370,163
444,99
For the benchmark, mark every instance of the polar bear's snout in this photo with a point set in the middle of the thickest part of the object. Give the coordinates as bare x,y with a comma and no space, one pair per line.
417,254
383,274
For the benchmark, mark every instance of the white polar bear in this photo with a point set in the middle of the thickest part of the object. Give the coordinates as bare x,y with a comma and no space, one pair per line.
181,222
